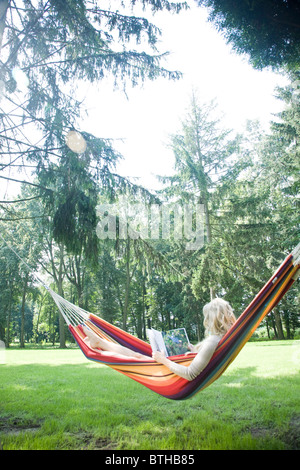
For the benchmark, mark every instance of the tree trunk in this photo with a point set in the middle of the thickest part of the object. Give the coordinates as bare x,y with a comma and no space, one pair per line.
139,327
144,314
38,318
79,282
127,286
280,334
9,315
287,324
62,336
22,340
209,239
274,325
268,329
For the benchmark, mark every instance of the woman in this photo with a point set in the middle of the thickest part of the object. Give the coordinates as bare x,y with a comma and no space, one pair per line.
218,318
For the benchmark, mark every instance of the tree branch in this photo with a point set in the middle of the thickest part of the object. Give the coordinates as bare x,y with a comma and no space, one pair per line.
20,200
27,182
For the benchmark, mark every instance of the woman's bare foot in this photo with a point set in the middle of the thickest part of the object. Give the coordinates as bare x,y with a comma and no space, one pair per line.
93,338
96,342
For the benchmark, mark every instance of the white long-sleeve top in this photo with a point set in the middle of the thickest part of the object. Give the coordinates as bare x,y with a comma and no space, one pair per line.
205,353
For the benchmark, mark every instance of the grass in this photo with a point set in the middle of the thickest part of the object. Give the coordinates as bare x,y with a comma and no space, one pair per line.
56,399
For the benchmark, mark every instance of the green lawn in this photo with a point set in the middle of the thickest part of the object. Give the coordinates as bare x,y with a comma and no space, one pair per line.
56,399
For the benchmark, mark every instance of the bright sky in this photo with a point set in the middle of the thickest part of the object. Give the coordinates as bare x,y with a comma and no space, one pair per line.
152,112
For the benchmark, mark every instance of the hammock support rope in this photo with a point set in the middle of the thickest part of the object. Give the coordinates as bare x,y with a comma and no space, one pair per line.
157,377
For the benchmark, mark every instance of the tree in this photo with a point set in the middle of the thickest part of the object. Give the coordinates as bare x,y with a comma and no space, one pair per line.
262,214
18,280
266,30
248,187
204,165
286,135
47,48
10,290
107,284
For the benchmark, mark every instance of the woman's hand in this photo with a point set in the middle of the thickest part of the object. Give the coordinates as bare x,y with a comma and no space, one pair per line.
191,349
159,357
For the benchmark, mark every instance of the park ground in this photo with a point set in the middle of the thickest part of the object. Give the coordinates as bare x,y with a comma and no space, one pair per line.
54,399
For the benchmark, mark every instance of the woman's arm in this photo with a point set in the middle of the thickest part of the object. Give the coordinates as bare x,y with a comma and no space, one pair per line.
196,366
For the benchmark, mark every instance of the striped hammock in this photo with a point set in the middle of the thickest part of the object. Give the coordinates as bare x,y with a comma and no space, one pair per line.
156,376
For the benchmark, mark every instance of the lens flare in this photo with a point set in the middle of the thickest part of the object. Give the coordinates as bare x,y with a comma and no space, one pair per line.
76,142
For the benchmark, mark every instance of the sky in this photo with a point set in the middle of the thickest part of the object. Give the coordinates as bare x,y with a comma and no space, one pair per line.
142,120
146,116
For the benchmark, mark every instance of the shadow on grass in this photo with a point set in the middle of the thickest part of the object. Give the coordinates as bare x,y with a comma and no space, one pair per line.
80,406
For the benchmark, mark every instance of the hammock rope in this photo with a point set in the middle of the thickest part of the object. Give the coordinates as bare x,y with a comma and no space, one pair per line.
158,377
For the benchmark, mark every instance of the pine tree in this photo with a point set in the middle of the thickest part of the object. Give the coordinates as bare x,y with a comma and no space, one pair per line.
204,166
47,49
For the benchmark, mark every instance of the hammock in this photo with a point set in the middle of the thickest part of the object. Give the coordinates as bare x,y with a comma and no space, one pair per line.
156,376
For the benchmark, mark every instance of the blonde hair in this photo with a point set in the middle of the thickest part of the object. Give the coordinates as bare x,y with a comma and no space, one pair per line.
218,318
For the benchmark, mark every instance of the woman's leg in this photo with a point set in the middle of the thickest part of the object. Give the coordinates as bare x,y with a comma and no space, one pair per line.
96,342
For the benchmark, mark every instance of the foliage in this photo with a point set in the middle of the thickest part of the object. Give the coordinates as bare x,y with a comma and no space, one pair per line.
48,49
266,30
